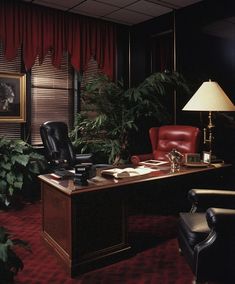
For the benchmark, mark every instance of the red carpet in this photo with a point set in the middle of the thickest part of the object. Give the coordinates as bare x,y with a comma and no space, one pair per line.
156,259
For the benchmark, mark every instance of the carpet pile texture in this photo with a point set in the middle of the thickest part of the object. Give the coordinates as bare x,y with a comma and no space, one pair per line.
156,259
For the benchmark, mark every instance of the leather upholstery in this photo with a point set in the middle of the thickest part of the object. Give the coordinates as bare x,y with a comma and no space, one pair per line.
194,226
185,139
215,198
207,239
58,146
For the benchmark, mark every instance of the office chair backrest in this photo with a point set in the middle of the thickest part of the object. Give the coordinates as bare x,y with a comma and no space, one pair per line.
184,138
58,146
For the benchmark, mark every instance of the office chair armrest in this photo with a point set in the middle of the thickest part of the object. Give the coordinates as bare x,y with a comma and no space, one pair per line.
220,219
135,159
54,158
205,198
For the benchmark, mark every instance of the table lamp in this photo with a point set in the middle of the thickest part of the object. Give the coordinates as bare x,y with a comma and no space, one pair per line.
209,97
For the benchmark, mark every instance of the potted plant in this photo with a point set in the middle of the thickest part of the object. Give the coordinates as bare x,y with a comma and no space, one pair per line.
19,163
10,262
110,112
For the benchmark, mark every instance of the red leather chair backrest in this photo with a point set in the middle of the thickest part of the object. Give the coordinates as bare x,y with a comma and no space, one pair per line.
185,139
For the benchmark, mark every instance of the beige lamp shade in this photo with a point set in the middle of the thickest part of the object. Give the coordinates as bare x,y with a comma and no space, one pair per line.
209,97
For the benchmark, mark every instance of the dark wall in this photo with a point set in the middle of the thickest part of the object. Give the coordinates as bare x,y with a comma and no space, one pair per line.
141,37
122,72
200,56
204,53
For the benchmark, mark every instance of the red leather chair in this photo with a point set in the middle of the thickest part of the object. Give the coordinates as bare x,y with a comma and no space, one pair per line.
184,138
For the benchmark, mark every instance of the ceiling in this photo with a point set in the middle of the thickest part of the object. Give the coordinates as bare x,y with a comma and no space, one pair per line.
128,12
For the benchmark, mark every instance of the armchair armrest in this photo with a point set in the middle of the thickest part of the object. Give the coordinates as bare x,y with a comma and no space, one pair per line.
221,219
135,159
216,252
205,198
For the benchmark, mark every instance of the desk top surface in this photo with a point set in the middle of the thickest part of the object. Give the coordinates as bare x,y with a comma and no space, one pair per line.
100,183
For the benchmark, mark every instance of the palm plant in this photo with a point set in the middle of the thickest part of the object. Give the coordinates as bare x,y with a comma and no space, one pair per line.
110,112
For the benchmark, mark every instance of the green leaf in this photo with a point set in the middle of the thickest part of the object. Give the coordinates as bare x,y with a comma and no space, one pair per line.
10,178
18,184
3,185
11,190
37,167
3,173
6,166
19,176
4,251
20,159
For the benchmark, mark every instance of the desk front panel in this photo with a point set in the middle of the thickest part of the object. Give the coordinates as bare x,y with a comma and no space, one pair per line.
100,223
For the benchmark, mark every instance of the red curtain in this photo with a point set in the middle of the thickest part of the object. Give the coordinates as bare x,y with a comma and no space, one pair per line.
39,29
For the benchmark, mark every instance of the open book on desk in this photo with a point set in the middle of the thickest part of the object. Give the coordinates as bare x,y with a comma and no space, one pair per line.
127,172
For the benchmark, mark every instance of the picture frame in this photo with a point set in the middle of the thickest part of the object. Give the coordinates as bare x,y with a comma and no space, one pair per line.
12,97
206,157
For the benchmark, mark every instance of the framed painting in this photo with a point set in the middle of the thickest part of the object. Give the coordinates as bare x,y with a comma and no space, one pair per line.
12,97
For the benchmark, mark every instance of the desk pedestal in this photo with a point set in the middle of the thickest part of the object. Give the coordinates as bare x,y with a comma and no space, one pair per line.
84,229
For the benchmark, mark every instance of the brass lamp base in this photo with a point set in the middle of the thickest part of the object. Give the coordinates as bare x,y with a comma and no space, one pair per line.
208,133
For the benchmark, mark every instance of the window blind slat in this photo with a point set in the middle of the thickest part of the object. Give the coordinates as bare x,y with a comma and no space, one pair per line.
52,95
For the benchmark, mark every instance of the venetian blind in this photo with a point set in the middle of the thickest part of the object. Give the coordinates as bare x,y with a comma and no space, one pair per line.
88,74
92,70
10,130
52,95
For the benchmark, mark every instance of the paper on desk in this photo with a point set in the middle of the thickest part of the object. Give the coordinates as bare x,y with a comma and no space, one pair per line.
127,172
217,165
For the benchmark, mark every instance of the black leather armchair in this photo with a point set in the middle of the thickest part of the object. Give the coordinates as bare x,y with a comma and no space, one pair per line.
206,235
59,150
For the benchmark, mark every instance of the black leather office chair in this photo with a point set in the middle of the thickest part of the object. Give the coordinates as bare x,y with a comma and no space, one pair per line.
206,235
59,150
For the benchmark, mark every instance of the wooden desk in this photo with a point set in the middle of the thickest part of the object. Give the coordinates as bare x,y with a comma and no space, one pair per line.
86,225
